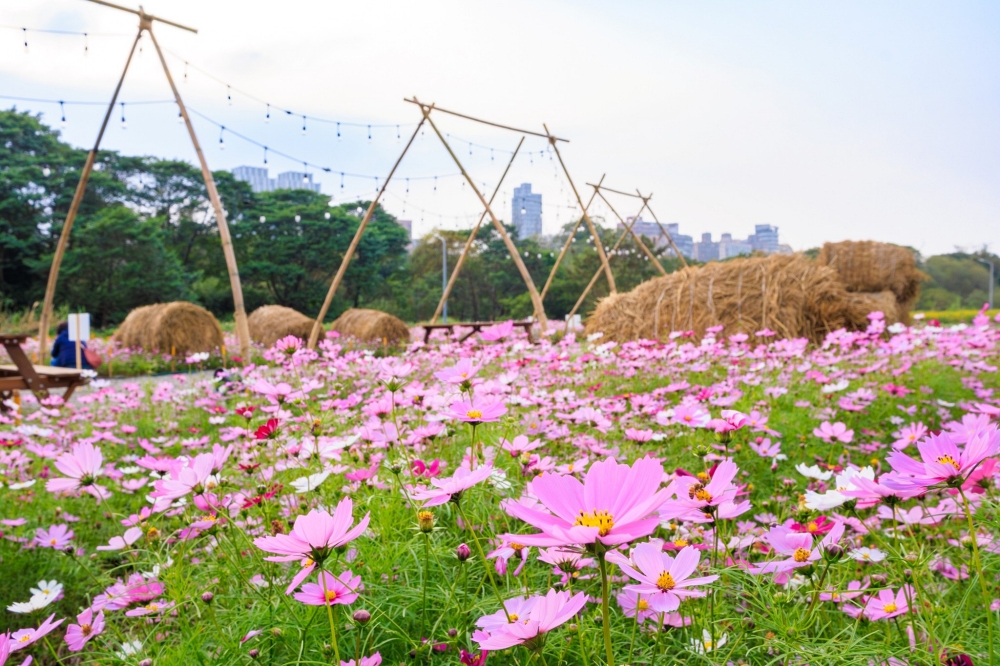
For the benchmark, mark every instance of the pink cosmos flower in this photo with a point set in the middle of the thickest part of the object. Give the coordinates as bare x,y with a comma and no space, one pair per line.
56,536
942,461
547,613
765,448
185,477
330,589
5,647
519,445
24,637
373,660
911,434
735,419
887,605
82,465
693,493
463,371
477,411
497,332
451,488
614,504
797,547
313,538
635,605
830,432
152,607
691,415
662,578
131,535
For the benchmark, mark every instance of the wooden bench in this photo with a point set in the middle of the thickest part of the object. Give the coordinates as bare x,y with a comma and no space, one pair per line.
476,326
25,376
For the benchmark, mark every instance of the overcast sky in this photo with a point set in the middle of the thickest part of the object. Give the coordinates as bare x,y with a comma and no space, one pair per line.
831,120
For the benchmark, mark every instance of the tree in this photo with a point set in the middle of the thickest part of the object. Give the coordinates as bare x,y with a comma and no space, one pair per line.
116,262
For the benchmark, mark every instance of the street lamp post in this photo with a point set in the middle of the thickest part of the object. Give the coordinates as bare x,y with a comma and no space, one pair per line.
990,264
444,275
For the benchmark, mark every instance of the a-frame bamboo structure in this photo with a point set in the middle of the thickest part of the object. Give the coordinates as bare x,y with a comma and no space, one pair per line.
146,25
426,110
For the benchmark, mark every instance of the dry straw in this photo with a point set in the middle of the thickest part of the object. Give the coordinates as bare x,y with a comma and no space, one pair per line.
868,266
178,327
788,294
371,326
270,323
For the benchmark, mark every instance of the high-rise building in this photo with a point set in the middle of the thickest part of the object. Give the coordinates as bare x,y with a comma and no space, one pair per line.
706,249
527,211
256,176
296,180
654,233
684,243
730,247
765,238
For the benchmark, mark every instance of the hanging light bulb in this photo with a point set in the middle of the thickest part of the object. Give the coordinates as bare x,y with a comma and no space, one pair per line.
24,31
46,171
185,71
326,215
263,219
229,95
265,154
267,118
303,124
298,218
124,124
338,131
360,210
369,134
398,138
341,180
222,144
180,117
62,112
523,210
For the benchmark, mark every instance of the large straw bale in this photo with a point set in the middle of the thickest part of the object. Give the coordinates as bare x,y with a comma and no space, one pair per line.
270,323
788,294
371,326
869,266
861,304
171,328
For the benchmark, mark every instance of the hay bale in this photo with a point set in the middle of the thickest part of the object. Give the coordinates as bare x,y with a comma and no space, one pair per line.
371,326
869,266
178,328
788,294
861,304
270,323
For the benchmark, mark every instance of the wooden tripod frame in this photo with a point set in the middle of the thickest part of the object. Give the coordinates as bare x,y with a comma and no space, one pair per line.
242,331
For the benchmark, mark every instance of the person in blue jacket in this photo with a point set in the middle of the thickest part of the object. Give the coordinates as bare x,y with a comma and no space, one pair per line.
64,350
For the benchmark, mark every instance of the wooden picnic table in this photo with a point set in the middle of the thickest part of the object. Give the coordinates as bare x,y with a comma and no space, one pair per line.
476,326
26,376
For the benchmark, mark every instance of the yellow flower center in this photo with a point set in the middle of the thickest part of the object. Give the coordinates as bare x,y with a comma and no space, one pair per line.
890,608
801,555
307,562
680,543
665,582
514,617
948,460
703,495
835,596
52,542
474,414
812,526
517,547
642,605
602,520
331,595
152,607
24,639
85,629
703,476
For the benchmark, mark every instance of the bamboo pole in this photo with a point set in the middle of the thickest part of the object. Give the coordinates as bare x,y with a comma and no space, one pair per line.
586,217
597,274
242,330
569,241
74,208
471,239
511,248
638,240
487,122
670,239
335,284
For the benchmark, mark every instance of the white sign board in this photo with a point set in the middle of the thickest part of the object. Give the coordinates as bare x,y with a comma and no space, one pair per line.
79,326
575,322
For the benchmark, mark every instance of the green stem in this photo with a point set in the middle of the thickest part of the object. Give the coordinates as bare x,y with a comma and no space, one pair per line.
482,554
635,626
329,614
605,613
979,572
423,614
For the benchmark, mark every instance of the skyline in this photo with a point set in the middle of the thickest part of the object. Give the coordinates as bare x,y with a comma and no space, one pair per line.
855,122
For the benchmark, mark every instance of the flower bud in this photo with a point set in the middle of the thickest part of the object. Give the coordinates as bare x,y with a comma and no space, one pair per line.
452,633
462,552
425,520
879,579
701,450
833,553
362,616
146,662
254,653
207,597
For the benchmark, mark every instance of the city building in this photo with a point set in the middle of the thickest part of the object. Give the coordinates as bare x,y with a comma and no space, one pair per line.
408,225
296,180
765,238
527,211
706,249
256,176
654,233
730,247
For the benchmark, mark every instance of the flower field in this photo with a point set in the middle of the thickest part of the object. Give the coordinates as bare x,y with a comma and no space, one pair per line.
726,500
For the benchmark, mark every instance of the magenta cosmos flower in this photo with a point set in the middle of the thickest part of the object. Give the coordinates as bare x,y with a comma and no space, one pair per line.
451,489
89,625
313,538
941,460
544,615
330,589
615,504
459,373
477,412
82,466
662,579
888,604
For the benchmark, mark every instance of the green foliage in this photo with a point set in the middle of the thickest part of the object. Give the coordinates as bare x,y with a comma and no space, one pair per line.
957,281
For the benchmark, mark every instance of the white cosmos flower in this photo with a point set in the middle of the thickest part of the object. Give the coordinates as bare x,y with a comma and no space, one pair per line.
706,644
22,485
865,554
813,472
306,483
837,386
129,649
835,497
46,592
22,607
